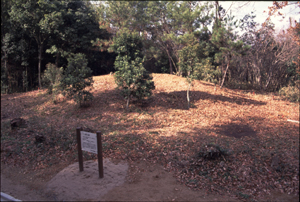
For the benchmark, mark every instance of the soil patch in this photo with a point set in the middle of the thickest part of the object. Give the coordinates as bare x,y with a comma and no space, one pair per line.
144,182
20,191
151,182
71,184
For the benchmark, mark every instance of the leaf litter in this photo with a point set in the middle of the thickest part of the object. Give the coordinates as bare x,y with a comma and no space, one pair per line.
229,141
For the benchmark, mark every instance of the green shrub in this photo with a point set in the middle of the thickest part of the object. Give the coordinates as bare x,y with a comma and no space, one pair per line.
131,76
52,77
133,79
77,80
291,93
207,72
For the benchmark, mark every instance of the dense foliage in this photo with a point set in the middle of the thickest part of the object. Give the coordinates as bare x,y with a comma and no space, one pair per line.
77,80
236,53
233,52
52,77
37,32
131,76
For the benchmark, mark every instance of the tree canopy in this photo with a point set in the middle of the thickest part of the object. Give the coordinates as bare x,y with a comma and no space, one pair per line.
197,40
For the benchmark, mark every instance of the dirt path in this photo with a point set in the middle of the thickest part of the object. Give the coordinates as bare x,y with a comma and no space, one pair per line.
153,183
20,191
70,184
144,182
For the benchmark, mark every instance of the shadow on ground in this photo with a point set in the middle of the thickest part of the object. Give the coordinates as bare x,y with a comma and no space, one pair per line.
236,130
178,99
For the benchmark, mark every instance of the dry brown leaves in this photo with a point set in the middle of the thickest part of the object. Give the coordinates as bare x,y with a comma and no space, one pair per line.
263,146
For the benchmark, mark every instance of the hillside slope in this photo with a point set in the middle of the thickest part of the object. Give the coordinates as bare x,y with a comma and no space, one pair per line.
251,127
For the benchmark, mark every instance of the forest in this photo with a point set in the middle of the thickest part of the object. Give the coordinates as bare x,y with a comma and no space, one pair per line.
197,40
211,108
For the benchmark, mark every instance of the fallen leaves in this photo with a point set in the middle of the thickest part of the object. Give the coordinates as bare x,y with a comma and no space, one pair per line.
249,126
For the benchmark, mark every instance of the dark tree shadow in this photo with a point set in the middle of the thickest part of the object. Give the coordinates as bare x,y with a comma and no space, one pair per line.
208,84
236,130
178,99
112,101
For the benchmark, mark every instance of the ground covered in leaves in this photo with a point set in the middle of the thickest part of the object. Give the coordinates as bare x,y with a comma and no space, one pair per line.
233,141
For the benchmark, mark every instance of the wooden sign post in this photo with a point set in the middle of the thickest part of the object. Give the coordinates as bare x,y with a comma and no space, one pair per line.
89,142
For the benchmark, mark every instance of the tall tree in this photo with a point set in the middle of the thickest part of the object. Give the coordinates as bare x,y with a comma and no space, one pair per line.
226,42
39,19
76,31
7,47
172,20
16,49
270,57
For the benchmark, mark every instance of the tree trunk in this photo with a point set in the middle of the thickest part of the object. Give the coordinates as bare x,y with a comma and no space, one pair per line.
6,73
39,65
127,105
217,13
246,75
188,95
171,69
169,57
26,79
217,10
224,75
268,80
57,58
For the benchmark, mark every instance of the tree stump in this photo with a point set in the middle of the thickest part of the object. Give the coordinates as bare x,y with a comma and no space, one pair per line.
17,123
211,152
40,138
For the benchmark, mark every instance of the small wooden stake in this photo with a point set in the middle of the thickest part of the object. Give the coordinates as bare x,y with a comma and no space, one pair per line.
80,158
100,157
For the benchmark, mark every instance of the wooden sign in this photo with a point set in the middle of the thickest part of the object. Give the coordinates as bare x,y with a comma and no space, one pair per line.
89,142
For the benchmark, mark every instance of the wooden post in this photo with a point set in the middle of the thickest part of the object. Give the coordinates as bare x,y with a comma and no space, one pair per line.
80,158
100,157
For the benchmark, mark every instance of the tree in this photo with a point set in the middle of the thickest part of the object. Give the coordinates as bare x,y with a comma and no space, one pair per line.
294,33
131,76
77,80
189,65
169,20
76,31
39,19
16,49
277,6
7,48
270,57
159,22
226,42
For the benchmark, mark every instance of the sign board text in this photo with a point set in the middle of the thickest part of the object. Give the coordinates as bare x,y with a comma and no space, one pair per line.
89,142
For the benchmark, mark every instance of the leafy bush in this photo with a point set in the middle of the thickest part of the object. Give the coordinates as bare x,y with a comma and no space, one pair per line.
290,92
131,76
208,72
52,76
212,151
77,80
